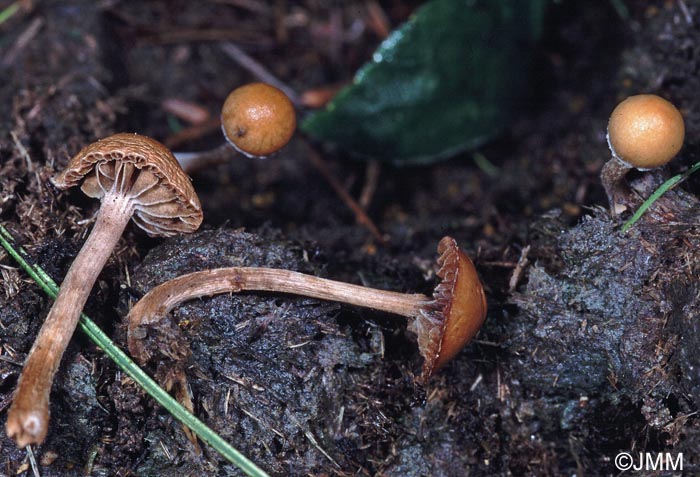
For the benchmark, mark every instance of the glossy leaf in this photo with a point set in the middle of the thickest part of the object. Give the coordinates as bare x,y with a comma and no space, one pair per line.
444,82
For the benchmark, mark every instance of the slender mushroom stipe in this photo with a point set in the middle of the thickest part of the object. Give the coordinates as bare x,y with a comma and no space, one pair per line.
443,323
132,175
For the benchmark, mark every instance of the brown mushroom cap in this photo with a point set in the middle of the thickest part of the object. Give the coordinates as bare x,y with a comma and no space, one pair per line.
645,131
455,314
165,202
258,119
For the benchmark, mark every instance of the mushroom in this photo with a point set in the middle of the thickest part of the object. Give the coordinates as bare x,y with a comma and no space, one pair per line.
257,120
443,323
131,174
644,132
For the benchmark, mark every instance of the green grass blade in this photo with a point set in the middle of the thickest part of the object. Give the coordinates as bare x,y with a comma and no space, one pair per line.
488,167
662,189
7,13
128,366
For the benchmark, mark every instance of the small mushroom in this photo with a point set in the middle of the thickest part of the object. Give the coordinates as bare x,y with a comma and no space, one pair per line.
644,132
443,323
132,175
257,120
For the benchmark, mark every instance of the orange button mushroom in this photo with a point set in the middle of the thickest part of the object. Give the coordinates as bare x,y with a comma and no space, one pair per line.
132,175
443,323
644,132
256,119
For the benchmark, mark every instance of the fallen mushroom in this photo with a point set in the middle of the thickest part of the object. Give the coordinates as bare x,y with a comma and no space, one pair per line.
132,175
644,132
257,120
443,323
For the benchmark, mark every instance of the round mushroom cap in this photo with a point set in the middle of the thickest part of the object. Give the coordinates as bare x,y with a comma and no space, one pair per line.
455,314
645,131
258,119
165,203
463,297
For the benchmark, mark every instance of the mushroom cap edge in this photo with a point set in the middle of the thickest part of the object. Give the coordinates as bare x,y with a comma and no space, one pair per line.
144,153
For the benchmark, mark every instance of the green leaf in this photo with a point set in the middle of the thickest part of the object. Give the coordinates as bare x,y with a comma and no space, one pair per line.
444,82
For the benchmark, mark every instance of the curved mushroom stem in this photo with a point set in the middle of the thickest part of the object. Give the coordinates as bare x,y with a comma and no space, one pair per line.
442,323
192,162
162,299
157,303
612,177
28,417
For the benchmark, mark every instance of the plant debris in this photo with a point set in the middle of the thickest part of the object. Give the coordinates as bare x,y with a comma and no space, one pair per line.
595,352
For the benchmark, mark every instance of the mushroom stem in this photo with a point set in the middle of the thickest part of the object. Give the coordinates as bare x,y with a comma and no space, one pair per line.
163,298
28,417
443,323
192,162
130,174
612,177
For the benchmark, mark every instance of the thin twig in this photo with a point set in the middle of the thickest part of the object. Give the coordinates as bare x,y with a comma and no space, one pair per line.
193,132
377,19
309,435
32,461
22,151
370,187
686,12
360,215
193,35
256,69
254,6
519,268
22,41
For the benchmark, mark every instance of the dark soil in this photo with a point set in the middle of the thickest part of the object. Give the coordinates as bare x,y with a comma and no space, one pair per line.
590,345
